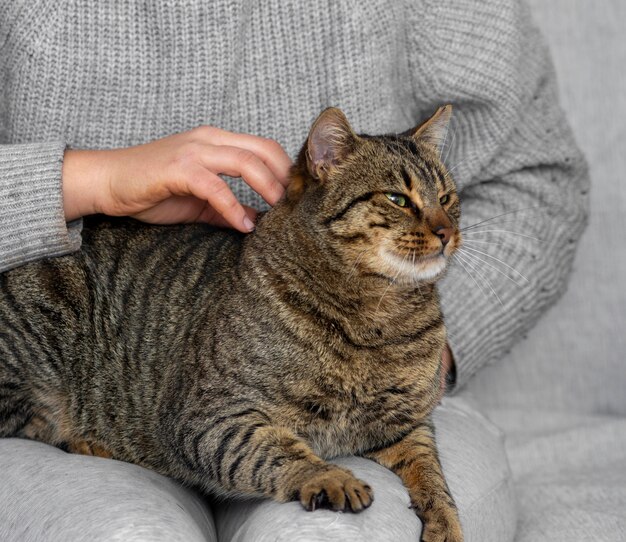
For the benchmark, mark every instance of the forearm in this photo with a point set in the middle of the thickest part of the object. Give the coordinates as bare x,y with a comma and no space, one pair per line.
510,150
32,221
514,267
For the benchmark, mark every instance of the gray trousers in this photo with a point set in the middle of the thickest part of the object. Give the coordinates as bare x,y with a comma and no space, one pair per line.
47,495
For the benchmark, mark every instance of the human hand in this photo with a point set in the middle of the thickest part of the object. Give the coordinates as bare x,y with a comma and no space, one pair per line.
175,179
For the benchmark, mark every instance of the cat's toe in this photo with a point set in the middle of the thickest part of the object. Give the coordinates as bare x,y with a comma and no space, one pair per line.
360,495
336,489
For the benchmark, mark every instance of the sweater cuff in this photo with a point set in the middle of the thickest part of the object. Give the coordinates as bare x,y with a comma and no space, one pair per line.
32,221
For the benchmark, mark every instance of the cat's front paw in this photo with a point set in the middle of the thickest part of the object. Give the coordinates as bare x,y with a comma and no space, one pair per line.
441,525
336,489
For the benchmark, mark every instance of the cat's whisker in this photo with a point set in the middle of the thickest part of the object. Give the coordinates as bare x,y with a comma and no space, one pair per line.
473,232
478,241
458,164
498,260
506,222
457,256
472,226
475,268
465,267
474,257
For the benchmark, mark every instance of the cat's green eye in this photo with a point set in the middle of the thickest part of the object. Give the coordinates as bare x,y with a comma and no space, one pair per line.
398,199
444,199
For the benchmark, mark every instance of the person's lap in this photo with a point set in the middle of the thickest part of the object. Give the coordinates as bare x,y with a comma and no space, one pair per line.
46,494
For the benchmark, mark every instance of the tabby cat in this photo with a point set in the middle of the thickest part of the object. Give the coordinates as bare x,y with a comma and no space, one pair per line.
238,363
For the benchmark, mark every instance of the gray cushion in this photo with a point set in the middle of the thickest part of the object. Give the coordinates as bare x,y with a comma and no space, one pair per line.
570,474
46,494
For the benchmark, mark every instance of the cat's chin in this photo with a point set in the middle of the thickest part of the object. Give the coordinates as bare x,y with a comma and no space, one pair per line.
425,268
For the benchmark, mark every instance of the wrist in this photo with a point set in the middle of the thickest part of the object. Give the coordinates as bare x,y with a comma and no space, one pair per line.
84,182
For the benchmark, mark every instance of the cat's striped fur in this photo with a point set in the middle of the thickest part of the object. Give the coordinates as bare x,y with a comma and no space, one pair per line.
237,364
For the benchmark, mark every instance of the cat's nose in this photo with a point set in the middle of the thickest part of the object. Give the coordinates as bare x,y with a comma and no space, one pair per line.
443,233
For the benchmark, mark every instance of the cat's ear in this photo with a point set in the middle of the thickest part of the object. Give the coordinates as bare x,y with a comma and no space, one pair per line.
433,131
330,141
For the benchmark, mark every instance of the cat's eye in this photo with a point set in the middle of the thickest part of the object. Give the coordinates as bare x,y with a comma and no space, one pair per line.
399,199
444,199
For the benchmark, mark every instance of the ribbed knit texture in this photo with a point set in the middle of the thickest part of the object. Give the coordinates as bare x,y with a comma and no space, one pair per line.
32,223
105,74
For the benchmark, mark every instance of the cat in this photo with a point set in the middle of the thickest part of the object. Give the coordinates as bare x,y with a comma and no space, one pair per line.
238,363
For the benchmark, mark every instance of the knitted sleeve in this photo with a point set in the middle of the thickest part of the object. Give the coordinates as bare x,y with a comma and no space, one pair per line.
32,223
523,182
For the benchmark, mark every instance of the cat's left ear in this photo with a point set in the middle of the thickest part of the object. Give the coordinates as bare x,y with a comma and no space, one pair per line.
330,141
433,131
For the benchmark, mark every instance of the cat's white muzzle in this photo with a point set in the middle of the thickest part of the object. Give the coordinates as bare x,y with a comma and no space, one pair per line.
423,268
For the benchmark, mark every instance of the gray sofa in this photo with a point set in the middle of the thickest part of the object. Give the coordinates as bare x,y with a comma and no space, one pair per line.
558,398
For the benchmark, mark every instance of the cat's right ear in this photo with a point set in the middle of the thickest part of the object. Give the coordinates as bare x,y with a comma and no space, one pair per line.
330,141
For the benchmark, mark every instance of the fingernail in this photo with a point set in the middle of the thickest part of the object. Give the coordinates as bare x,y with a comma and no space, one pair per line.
248,224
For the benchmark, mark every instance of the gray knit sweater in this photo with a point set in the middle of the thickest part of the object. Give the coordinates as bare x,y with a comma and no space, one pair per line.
108,74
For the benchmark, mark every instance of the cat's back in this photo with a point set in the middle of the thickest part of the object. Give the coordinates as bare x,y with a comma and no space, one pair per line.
117,252
127,278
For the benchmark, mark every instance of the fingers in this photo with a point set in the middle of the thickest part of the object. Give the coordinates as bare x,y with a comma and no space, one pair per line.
238,162
268,150
211,216
208,187
152,181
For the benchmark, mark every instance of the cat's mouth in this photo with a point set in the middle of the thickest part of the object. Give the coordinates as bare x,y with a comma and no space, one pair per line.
432,257
415,267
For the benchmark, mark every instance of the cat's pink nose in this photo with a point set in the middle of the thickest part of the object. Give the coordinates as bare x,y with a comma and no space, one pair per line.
444,234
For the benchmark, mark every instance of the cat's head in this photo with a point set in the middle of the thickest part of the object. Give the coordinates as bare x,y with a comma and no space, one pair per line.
386,205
